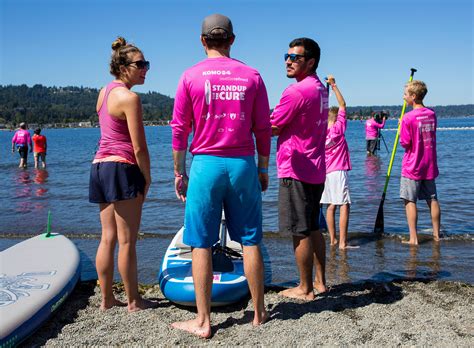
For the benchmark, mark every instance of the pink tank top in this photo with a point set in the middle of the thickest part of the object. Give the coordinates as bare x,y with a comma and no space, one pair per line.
114,135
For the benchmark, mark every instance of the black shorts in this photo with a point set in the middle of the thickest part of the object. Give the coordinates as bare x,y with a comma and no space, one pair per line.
298,206
372,146
23,151
115,181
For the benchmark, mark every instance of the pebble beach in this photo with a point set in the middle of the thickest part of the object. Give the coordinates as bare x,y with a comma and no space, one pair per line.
407,312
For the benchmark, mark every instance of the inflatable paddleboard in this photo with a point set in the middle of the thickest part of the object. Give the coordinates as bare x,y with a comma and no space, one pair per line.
36,277
229,282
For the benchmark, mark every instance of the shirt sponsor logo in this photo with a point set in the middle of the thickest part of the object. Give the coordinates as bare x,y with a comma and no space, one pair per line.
216,72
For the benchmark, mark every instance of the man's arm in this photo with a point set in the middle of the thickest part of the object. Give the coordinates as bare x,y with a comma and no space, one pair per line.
180,176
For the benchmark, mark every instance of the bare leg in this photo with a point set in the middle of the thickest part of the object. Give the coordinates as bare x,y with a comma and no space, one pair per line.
22,163
105,257
303,247
128,216
253,267
36,161
319,252
344,212
435,212
202,275
412,219
43,161
331,221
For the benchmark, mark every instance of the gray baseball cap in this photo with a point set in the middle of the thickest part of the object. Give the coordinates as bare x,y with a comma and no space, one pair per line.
216,21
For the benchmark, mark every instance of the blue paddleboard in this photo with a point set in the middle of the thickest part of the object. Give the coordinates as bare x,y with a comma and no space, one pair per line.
229,282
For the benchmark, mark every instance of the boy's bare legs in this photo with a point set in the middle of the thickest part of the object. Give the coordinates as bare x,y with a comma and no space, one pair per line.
36,161
412,219
202,276
435,212
254,271
105,257
319,259
303,247
331,222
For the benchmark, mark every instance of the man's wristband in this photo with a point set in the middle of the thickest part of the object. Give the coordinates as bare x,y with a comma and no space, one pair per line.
263,170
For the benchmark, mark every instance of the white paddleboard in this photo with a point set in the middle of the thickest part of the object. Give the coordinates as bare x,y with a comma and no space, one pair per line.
36,277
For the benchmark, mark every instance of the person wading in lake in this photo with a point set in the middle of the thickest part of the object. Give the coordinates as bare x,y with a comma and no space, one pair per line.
226,103
20,141
420,163
300,121
120,174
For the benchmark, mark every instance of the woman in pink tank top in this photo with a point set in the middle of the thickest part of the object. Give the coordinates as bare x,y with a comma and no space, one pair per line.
120,174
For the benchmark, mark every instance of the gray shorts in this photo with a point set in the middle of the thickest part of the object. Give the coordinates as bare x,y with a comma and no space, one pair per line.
298,206
411,190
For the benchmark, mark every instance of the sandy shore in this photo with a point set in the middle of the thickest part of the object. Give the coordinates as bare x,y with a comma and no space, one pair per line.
404,312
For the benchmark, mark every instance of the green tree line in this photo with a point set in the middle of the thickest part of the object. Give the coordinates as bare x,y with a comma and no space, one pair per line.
42,105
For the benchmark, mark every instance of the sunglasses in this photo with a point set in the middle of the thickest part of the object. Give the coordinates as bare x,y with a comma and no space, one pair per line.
140,64
293,57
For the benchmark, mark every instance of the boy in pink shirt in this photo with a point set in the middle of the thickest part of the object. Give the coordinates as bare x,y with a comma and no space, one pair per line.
20,141
419,164
338,163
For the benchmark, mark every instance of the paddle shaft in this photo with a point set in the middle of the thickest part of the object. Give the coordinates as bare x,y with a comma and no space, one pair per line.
397,136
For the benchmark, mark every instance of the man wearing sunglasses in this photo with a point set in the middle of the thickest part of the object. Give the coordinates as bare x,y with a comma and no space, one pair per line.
300,121
226,104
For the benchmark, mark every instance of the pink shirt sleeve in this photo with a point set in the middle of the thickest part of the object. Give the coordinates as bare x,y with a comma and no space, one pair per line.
182,117
287,108
405,139
261,126
14,138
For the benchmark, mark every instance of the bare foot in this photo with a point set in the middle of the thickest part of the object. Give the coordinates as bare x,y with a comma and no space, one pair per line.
261,318
194,327
319,288
298,294
107,304
410,242
347,246
333,242
141,304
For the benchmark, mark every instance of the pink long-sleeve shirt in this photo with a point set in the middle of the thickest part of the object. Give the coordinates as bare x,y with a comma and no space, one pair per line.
302,117
226,103
372,128
22,138
418,137
337,151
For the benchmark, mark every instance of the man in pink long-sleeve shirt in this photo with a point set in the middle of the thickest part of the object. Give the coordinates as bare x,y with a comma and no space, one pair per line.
300,121
419,164
372,129
20,142
226,104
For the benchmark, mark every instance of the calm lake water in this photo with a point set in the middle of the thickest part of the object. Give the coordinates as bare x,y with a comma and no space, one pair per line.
28,194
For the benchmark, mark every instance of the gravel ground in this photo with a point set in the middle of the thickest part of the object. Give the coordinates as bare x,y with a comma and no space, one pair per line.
403,312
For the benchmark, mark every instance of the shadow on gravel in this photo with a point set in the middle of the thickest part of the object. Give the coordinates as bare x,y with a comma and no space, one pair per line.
342,297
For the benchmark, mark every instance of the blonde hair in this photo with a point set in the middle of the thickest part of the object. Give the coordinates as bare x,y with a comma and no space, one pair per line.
332,115
417,88
120,55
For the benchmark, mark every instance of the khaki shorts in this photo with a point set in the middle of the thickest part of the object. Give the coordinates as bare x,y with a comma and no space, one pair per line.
411,190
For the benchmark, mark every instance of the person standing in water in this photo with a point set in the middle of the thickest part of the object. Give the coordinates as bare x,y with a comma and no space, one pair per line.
372,129
40,147
20,141
338,163
120,174
225,102
420,163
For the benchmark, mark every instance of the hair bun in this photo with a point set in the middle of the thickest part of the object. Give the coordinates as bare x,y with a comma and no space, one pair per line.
119,42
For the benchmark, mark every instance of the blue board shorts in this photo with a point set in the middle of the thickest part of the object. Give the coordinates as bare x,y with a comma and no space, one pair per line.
115,181
229,182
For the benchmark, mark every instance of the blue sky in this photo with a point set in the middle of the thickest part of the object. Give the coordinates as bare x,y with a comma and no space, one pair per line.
369,46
